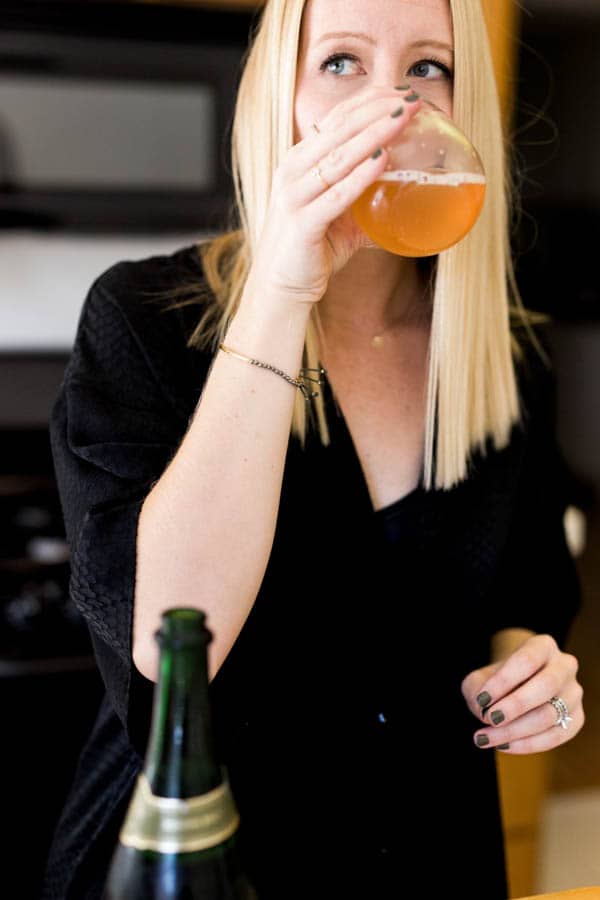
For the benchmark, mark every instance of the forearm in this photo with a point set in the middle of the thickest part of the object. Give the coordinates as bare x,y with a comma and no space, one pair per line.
206,529
507,640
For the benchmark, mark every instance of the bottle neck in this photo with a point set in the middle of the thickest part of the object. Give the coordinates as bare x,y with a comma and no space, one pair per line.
181,761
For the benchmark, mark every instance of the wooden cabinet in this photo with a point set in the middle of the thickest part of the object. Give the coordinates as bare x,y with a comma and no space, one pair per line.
523,783
503,22
218,4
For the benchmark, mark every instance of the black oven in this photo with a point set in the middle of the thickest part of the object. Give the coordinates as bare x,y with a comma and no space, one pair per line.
114,121
115,117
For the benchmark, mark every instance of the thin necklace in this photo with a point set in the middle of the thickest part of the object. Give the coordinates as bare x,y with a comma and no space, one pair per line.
377,340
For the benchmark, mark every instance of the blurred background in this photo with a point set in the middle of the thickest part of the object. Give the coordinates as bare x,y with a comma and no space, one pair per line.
114,128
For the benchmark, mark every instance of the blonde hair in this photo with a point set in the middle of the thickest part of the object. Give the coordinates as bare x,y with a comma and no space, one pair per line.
472,390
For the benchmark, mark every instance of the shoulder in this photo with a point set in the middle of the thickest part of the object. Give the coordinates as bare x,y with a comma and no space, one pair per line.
142,292
166,268
135,326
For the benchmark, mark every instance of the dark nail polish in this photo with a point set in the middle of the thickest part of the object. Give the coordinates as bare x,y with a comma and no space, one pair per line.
377,153
503,747
484,699
402,87
482,740
497,717
397,112
411,98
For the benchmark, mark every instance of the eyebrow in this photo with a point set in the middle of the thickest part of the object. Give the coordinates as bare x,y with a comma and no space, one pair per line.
365,37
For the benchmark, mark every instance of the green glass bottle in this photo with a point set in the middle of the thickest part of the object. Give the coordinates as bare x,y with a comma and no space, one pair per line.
179,835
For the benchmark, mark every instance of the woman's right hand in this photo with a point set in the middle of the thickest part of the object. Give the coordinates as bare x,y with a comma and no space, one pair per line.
309,233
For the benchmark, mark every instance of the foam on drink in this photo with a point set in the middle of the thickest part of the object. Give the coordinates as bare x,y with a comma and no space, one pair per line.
420,213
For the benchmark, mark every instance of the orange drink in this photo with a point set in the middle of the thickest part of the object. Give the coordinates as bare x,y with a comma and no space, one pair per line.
420,213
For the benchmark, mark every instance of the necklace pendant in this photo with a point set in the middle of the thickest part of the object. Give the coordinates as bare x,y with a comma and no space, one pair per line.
377,341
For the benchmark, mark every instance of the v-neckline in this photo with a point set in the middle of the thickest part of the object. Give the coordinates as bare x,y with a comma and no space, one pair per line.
345,434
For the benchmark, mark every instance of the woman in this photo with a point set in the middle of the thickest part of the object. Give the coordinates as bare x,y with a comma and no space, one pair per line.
383,566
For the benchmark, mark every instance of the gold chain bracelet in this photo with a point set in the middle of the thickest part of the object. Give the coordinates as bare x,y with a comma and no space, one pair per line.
299,382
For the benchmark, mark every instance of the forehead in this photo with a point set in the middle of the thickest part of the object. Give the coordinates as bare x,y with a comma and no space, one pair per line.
377,18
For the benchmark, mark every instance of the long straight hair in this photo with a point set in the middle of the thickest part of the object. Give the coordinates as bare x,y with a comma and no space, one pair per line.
472,393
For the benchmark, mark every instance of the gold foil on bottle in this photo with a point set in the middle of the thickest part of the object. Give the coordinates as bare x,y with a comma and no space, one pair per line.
169,825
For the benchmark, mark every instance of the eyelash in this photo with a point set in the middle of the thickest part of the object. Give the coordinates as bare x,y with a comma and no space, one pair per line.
336,57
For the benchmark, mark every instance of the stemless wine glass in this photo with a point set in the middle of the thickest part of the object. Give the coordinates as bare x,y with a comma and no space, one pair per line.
431,193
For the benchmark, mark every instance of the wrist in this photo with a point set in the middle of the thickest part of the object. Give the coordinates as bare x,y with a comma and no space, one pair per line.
267,328
266,312
265,297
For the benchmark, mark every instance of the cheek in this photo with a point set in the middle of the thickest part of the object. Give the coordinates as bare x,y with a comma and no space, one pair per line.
313,101
305,112
449,101
439,93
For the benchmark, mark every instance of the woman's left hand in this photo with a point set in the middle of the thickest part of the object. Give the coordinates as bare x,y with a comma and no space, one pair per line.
513,696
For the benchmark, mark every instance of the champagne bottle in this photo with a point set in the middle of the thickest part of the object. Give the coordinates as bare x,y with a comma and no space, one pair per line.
179,836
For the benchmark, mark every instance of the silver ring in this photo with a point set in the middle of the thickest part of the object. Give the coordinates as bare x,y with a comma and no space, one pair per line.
316,127
318,174
562,712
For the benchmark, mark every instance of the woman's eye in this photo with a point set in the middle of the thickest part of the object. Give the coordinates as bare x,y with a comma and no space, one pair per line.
426,69
335,64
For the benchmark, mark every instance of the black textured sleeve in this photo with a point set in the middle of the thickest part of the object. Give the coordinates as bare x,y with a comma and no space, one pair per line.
538,586
120,415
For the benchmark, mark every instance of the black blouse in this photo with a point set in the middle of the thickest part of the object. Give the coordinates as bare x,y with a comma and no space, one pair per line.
339,710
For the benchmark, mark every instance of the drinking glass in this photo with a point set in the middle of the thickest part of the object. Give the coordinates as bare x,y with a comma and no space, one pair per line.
431,193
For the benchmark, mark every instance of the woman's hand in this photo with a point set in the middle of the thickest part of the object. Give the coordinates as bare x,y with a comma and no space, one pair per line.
309,233
512,696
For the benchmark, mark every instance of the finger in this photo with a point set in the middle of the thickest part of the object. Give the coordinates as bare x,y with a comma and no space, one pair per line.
338,116
472,686
344,122
551,681
545,740
518,668
345,156
537,721
336,200
548,682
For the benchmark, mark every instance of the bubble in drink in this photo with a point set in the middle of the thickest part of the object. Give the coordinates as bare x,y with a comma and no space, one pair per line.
420,213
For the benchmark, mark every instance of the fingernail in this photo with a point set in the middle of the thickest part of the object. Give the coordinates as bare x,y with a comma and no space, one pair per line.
503,747
411,98
402,87
484,699
497,717
397,112
482,740
377,153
